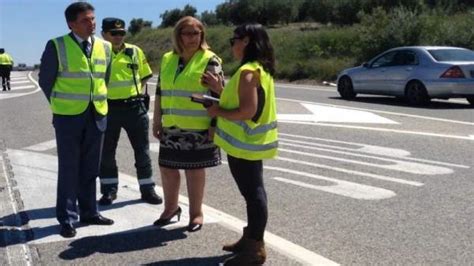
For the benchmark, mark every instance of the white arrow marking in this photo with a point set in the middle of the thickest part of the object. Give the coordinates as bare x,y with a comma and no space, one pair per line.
336,115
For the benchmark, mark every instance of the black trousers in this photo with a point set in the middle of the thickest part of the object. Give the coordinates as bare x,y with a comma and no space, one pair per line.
79,143
134,119
5,73
249,178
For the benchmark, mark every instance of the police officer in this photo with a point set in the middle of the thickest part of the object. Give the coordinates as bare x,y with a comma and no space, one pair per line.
6,64
128,110
73,76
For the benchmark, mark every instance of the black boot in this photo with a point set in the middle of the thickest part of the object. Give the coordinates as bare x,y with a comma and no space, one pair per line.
150,196
107,198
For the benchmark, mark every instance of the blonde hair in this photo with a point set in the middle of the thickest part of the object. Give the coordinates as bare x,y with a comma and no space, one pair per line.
183,22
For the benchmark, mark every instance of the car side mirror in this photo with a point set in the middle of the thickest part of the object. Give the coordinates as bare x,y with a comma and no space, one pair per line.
366,65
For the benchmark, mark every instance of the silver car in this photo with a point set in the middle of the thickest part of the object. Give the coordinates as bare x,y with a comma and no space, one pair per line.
416,73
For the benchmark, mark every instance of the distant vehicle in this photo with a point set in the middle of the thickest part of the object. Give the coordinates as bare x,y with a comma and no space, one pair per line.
416,73
22,67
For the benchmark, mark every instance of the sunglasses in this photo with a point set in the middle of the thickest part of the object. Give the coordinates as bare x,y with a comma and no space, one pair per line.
117,33
233,39
190,33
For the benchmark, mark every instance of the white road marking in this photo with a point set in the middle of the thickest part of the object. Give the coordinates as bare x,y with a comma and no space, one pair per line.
389,130
401,166
43,146
19,78
19,82
353,172
340,187
23,87
371,149
382,112
346,145
39,193
4,96
336,115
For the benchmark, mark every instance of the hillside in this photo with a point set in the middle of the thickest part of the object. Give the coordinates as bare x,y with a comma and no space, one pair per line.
319,52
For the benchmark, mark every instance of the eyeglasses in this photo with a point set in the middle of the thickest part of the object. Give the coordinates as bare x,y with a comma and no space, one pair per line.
117,33
233,39
190,33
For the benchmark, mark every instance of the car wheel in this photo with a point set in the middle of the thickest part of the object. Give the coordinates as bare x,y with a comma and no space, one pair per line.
345,88
470,99
415,93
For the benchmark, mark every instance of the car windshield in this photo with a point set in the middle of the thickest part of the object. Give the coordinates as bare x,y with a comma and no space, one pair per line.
445,55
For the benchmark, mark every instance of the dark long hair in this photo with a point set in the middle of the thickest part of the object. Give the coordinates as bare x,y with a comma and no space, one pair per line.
259,47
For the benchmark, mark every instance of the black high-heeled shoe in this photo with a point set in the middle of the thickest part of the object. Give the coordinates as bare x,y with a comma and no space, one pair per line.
193,227
165,221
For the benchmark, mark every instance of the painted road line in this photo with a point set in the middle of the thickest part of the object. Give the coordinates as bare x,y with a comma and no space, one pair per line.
8,96
388,130
382,112
400,166
401,163
353,172
23,87
336,115
43,146
371,149
19,82
19,78
39,194
345,145
340,187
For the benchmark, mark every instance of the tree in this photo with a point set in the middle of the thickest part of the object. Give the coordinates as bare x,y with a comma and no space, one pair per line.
170,17
136,25
209,18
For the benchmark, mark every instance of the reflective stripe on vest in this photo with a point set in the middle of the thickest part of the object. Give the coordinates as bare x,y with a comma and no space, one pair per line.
185,112
119,84
177,108
80,79
80,97
246,146
122,83
258,130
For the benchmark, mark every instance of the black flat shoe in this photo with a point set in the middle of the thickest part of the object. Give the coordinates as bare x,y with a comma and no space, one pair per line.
67,231
193,227
98,220
107,198
165,221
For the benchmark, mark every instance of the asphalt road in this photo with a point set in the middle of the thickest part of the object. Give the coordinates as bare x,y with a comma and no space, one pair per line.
369,181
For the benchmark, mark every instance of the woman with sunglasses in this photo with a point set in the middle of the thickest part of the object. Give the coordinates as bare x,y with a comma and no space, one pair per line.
183,127
247,132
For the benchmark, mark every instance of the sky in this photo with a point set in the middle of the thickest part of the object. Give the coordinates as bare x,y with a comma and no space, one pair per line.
26,25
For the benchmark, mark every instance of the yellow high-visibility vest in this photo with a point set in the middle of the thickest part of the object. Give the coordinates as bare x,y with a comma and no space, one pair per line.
121,84
247,139
80,80
176,107
6,59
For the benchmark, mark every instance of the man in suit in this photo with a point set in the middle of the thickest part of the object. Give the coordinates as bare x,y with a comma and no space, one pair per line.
73,73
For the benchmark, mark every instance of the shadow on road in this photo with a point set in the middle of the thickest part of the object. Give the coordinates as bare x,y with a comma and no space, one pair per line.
193,261
33,233
134,240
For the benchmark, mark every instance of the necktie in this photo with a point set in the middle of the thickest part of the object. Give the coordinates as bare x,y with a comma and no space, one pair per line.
86,48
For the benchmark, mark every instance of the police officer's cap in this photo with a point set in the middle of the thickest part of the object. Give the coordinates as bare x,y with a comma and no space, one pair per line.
113,24
2,50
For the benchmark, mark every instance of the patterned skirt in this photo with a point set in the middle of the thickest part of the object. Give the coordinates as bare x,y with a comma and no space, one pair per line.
184,149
